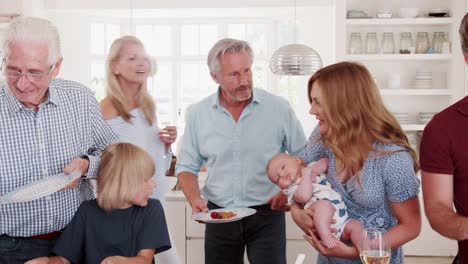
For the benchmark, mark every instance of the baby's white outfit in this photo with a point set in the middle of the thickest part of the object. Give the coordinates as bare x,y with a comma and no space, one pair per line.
323,191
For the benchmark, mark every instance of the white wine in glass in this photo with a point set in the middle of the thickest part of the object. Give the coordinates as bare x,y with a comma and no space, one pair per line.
374,247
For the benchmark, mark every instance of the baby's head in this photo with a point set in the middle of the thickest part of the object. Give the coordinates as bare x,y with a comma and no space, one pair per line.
284,169
124,176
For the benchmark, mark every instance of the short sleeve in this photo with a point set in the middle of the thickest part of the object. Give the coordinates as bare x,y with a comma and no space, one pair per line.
154,234
399,177
435,150
70,244
314,149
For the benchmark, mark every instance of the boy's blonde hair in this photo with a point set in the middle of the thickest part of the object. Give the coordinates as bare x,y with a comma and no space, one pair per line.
124,167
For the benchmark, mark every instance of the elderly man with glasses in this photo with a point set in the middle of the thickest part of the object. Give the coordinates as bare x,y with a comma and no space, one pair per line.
47,126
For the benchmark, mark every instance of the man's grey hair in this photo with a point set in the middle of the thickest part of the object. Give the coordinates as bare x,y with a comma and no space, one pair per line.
33,30
226,45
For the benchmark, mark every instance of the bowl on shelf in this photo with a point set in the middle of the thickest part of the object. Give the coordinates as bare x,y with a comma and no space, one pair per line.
408,12
438,12
384,15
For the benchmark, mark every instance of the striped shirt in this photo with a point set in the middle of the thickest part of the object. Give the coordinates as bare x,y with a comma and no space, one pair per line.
35,145
146,136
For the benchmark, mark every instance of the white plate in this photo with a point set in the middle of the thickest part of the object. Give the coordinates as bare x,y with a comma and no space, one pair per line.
240,213
40,188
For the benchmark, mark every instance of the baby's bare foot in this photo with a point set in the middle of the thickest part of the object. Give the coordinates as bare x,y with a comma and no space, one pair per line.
329,242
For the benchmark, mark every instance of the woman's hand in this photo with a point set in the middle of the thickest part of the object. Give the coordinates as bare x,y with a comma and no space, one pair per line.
168,135
145,256
341,250
303,218
114,260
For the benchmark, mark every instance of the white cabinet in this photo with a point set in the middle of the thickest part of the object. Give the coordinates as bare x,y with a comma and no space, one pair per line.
447,74
447,69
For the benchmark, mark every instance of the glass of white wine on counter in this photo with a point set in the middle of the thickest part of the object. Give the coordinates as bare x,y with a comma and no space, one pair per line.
375,248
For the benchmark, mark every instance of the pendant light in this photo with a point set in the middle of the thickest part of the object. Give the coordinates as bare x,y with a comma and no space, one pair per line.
295,59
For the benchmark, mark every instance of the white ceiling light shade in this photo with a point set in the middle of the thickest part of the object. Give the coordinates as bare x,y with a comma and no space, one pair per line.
295,59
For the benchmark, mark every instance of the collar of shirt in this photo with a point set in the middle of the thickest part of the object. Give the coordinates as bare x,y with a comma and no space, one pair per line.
14,105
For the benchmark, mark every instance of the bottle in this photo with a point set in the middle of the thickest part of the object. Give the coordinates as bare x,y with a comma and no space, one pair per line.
355,46
371,43
446,46
422,42
406,42
388,44
438,41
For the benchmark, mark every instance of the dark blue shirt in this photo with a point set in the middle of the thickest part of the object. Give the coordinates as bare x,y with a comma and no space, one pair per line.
94,234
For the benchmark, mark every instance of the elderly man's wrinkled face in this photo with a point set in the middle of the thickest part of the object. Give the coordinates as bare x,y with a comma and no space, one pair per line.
28,72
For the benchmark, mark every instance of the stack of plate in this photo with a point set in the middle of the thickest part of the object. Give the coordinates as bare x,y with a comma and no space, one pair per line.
356,14
412,138
425,117
402,118
422,80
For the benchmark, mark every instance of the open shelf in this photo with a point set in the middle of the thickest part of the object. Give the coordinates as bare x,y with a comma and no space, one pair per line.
402,21
365,57
413,127
416,92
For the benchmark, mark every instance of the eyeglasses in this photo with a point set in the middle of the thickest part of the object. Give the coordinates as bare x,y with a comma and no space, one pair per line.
13,76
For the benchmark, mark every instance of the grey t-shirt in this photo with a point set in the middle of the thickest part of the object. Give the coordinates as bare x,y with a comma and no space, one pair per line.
94,234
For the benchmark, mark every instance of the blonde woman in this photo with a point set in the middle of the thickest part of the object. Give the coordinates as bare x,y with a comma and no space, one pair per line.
372,165
130,111
123,225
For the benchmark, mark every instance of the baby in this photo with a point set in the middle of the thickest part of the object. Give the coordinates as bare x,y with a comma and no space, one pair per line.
308,186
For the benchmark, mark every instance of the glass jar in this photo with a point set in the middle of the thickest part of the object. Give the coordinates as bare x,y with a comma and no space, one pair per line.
406,43
371,43
446,46
422,42
438,42
355,46
388,44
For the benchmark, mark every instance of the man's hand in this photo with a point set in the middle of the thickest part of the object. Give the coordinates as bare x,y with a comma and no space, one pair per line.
77,164
199,206
278,202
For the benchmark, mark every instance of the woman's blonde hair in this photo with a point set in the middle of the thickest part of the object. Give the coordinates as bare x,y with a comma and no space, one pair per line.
123,169
114,90
357,116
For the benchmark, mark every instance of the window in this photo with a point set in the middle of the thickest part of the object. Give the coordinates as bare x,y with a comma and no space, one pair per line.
102,36
180,49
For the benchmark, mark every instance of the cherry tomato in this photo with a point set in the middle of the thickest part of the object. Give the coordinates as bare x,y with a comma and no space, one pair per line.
215,215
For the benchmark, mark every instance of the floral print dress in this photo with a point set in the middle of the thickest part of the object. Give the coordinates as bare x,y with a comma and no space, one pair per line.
384,179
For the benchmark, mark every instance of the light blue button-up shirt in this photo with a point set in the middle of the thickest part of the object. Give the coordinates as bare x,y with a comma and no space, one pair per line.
236,154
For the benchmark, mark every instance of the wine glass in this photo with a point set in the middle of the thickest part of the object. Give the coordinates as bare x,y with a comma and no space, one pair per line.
375,248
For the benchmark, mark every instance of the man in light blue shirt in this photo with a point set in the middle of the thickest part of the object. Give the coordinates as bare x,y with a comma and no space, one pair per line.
236,131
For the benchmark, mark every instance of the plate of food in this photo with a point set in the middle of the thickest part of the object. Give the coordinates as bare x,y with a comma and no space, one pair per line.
223,215
39,188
